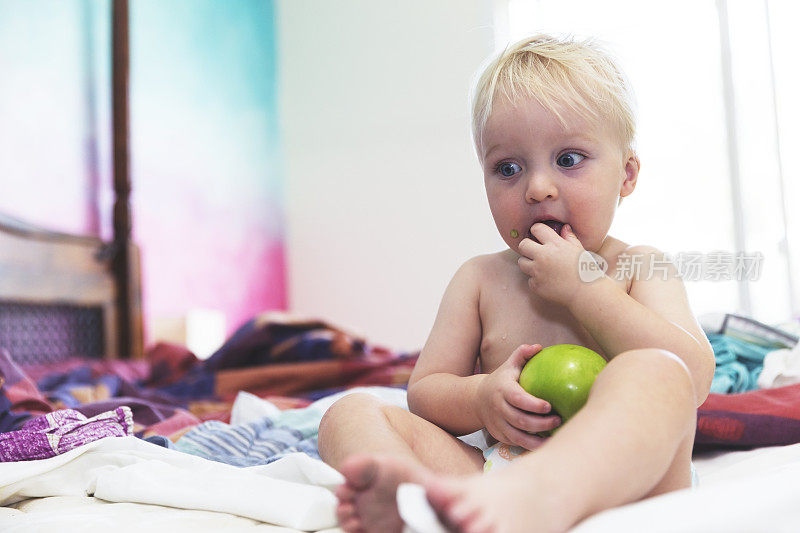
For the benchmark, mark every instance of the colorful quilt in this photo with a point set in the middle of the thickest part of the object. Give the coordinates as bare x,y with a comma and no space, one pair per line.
171,394
178,401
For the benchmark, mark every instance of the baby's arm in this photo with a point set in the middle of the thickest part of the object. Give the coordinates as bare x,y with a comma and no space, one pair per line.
442,384
443,389
656,314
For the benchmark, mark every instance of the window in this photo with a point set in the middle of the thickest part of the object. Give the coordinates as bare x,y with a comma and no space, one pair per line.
713,83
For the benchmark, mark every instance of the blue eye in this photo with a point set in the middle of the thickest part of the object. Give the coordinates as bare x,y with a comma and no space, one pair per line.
569,159
507,169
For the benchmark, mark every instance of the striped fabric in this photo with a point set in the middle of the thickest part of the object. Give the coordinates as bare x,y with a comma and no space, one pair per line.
255,443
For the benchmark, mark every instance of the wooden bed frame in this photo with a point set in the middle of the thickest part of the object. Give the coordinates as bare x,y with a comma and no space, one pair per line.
56,282
68,279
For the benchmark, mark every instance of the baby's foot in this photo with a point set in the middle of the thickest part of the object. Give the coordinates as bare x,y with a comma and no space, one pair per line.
496,503
368,499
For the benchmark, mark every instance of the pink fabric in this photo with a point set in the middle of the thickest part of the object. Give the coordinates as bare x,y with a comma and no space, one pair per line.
21,390
181,419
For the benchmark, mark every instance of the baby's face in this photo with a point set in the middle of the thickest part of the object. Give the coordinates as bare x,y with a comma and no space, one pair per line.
534,168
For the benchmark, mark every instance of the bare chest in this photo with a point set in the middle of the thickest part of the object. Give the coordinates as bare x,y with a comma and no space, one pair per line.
512,315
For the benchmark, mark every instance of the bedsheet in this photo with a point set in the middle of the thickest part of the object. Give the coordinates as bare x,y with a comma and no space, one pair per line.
290,494
740,491
295,491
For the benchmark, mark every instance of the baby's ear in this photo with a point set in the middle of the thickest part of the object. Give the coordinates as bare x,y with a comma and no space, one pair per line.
632,166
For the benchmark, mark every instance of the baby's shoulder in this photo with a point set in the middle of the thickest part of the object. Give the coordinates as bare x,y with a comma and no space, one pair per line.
486,266
640,261
640,254
478,273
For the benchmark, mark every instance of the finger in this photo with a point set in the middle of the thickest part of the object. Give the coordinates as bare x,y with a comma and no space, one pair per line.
518,398
542,232
497,433
526,265
528,246
569,234
522,354
531,423
523,439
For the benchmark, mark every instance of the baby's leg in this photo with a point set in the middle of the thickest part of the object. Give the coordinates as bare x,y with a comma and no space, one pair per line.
377,446
632,439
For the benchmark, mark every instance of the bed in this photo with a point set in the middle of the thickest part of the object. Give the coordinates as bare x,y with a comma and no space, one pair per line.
202,478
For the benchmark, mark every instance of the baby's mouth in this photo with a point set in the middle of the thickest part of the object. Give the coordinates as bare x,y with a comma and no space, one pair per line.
554,224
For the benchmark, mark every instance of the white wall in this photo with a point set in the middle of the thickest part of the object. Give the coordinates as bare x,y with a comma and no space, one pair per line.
377,152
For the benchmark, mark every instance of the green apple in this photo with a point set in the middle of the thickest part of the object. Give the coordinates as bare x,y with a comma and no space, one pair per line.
562,375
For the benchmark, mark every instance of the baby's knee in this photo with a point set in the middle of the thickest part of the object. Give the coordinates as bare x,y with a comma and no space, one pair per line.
348,408
656,364
656,358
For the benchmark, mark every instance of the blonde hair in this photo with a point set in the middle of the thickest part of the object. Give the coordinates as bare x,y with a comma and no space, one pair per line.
562,75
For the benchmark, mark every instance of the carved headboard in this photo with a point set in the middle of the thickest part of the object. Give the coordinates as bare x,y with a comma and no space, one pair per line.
59,296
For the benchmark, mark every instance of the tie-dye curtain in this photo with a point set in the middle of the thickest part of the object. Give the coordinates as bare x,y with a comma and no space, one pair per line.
205,159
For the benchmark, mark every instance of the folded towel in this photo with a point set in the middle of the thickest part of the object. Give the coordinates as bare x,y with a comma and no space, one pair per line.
781,368
739,363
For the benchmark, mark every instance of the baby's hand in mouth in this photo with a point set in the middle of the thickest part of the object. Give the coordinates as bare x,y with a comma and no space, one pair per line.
555,225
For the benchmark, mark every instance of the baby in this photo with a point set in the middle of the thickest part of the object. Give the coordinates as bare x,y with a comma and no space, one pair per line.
553,128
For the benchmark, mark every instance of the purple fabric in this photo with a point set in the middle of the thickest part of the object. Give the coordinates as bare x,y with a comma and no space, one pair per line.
144,412
9,421
263,341
60,431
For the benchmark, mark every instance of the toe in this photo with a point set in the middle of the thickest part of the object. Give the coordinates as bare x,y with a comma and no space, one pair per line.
345,493
480,524
359,471
462,515
345,512
352,526
440,495
444,498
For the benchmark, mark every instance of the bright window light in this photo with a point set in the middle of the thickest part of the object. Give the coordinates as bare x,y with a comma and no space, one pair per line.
683,203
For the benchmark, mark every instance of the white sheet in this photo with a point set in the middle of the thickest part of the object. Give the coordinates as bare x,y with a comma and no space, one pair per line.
295,491
82,514
292,492
739,492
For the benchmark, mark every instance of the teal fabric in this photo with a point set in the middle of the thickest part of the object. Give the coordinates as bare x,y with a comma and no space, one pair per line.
739,363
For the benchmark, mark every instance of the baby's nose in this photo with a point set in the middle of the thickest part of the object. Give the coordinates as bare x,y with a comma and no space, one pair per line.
540,187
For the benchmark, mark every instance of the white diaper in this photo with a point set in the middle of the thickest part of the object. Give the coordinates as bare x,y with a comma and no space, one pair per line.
495,454
501,455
